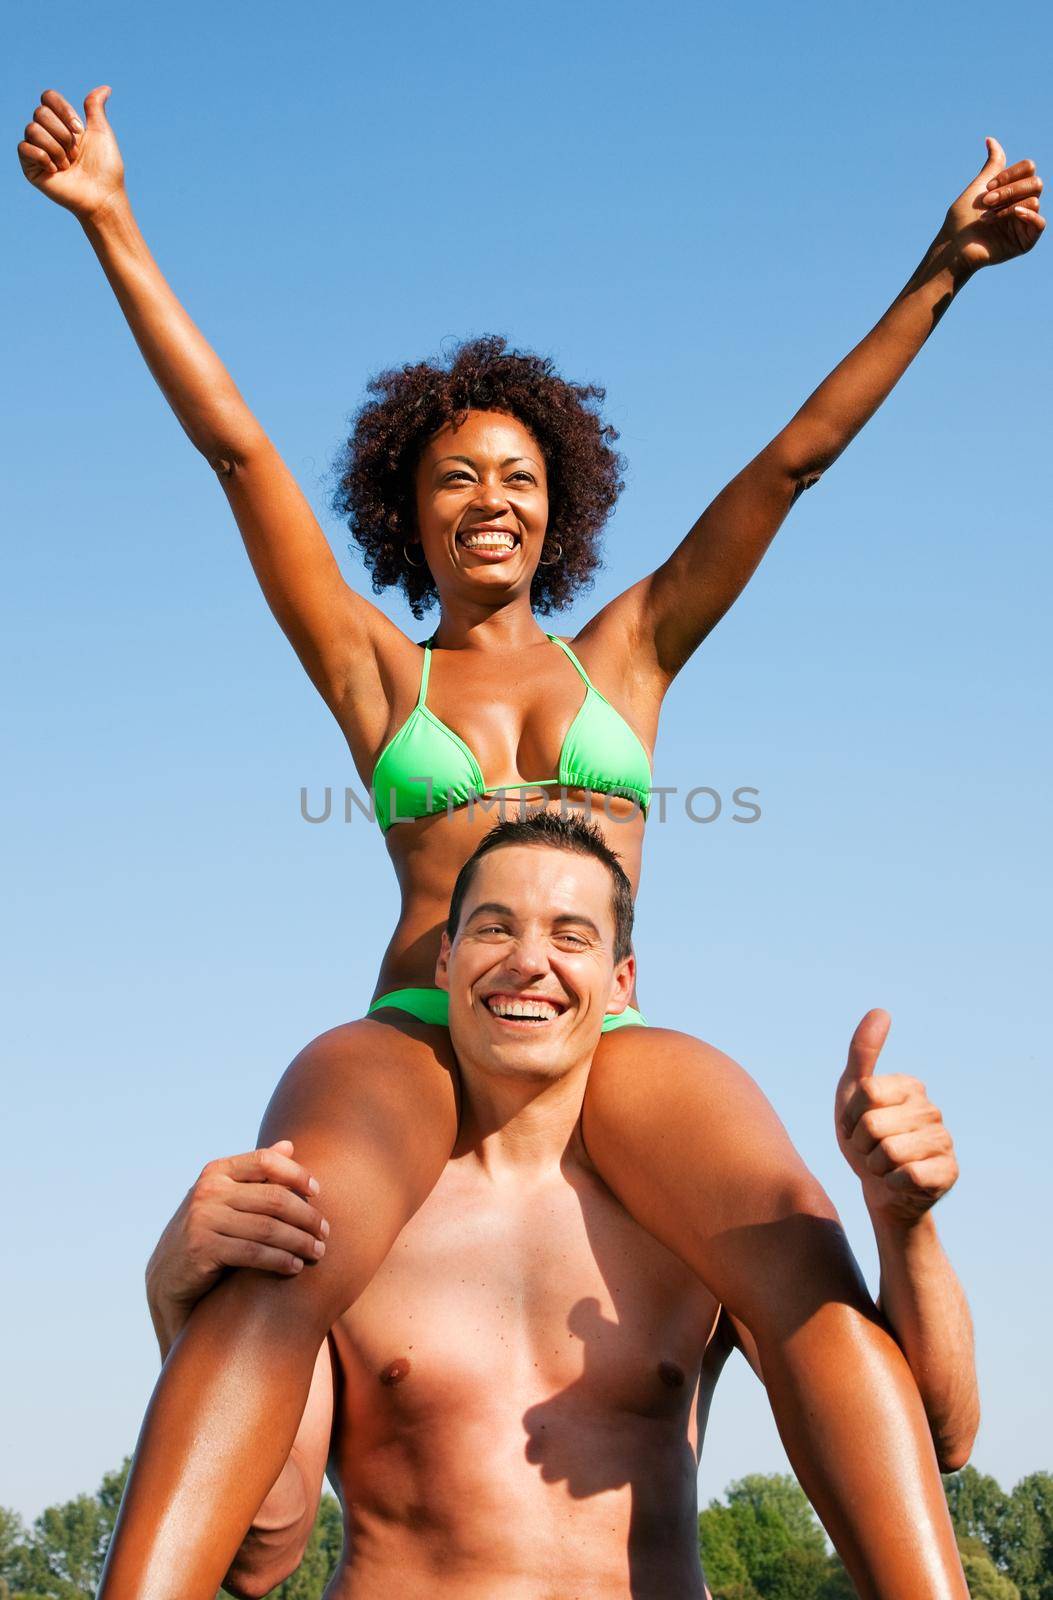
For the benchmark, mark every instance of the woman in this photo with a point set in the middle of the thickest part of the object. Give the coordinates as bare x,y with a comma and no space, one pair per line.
484,485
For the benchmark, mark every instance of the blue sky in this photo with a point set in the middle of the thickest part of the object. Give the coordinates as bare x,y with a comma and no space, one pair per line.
702,208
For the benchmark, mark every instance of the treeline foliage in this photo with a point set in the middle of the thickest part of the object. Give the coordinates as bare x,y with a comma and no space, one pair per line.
762,1542
766,1544
61,1556
1011,1532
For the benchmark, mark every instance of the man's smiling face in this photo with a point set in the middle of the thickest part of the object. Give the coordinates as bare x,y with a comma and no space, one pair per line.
531,970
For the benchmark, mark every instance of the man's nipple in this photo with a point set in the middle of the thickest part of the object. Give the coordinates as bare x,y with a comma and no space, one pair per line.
396,1370
671,1375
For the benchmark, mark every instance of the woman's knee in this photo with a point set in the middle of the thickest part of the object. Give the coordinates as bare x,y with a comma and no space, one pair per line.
393,1090
635,1065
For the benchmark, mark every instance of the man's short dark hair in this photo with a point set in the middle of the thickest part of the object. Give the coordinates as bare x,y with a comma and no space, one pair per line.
549,829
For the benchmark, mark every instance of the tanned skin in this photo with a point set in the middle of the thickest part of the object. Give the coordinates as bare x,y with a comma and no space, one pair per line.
263,1209
526,1343
399,1074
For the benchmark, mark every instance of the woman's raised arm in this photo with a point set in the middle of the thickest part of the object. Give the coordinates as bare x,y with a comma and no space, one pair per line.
668,614
334,631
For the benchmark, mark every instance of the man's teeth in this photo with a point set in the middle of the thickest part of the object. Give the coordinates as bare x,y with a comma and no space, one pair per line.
488,541
538,1010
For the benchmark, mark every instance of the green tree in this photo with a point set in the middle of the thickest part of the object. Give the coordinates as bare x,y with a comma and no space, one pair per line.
837,1584
763,1540
61,1556
983,1577
1015,1531
64,1553
12,1539
725,1567
763,1544
1026,1548
766,1544
800,1574
978,1506
783,1495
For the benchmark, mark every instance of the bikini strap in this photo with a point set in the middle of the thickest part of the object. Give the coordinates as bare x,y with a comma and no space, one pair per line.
425,672
568,652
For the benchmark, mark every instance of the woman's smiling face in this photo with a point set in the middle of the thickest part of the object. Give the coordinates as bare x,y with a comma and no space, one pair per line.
482,505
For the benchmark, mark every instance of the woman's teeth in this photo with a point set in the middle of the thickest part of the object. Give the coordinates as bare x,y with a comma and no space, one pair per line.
488,541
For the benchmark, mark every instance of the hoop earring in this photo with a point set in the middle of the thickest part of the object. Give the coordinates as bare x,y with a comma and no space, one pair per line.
551,562
406,554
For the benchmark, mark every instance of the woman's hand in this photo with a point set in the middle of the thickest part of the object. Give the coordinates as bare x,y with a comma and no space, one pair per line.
890,1133
76,166
997,216
244,1211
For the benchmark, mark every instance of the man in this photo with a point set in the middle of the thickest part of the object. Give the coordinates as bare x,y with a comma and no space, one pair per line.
513,1406
255,1209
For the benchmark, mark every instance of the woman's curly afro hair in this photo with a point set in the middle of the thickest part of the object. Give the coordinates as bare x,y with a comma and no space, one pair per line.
376,490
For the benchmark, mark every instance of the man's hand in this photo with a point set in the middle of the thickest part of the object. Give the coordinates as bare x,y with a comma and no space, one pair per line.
890,1133
996,217
252,1210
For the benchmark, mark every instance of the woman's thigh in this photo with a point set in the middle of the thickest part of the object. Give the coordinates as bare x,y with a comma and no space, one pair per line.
387,1087
691,1147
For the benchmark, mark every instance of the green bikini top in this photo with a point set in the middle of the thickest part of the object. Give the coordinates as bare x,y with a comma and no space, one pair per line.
426,768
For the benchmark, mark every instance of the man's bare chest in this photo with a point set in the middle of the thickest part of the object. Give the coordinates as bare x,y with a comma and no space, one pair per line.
495,1298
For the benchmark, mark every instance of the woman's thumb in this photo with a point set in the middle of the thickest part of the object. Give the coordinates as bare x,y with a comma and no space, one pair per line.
995,162
94,115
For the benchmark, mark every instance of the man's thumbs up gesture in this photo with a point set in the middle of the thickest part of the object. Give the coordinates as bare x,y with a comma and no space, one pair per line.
890,1133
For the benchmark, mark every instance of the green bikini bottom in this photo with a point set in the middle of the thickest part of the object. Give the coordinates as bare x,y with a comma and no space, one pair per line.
433,1005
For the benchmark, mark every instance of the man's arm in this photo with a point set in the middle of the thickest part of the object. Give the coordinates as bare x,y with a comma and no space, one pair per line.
696,1153
895,1141
927,1313
225,1412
